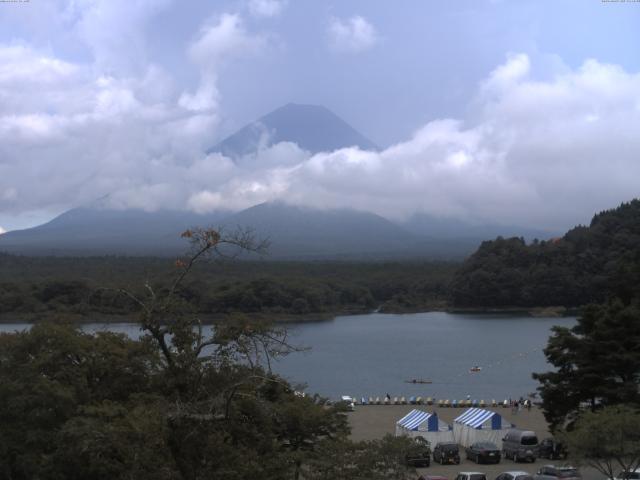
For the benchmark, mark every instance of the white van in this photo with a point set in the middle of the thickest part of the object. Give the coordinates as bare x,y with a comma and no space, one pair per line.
520,445
351,404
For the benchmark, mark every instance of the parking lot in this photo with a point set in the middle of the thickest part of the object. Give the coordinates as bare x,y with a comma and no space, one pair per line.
369,422
493,470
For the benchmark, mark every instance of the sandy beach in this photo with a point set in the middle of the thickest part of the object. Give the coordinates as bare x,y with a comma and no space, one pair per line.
374,421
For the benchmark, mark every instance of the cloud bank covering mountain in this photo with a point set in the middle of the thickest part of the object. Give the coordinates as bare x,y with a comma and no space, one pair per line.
537,144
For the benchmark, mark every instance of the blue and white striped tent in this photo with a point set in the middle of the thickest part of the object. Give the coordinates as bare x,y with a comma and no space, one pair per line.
478,424
418,423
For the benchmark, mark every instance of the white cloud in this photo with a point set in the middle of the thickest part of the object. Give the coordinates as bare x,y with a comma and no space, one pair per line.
546,153
2,230
115,30
515,69
74,131
219,39
266,8
352,35
224,37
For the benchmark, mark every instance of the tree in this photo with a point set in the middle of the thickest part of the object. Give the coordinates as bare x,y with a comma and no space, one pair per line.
607,440
56,381
597,363
179,403
371,460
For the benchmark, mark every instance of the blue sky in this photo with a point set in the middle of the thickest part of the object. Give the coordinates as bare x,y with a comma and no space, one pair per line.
123,97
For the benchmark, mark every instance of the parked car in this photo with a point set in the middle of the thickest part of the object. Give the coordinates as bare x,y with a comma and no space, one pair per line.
419,455
446,452
483,452
431,477
471,476
635,475
553,472
514,475
520,445
552,449
349,402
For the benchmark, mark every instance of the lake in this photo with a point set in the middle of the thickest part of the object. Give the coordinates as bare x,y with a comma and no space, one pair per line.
373,354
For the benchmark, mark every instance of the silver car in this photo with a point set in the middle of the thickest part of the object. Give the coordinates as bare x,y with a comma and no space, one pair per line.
471,476
553,472
514,475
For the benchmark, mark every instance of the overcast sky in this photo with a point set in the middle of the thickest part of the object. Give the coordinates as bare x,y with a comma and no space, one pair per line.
520,112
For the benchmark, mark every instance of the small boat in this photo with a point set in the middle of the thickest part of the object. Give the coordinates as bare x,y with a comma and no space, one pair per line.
475,369
415,380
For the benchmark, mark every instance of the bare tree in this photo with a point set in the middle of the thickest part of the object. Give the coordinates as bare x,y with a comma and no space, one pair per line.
178,330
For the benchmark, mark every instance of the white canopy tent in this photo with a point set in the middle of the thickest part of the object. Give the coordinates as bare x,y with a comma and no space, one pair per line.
480,425
418,423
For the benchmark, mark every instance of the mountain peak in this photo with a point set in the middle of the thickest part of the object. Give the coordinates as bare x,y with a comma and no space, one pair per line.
314,128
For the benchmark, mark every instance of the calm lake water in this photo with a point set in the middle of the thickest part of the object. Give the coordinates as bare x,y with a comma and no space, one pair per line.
371,355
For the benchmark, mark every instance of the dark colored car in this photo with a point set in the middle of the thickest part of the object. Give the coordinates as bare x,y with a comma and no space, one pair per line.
446,452
552,472
431,477
483,452
552,449
419,455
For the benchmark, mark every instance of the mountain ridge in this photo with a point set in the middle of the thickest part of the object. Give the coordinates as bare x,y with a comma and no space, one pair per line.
295,232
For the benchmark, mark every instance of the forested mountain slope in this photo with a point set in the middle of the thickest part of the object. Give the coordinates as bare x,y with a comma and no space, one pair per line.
588,264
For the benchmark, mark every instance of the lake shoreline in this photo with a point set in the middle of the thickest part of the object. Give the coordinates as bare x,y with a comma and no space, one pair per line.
555,311
288,318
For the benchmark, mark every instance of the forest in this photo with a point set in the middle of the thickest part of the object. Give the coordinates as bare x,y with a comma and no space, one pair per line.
35,288
587,265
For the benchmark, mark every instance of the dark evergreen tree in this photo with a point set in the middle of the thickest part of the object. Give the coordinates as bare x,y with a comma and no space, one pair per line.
587,265
597,363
